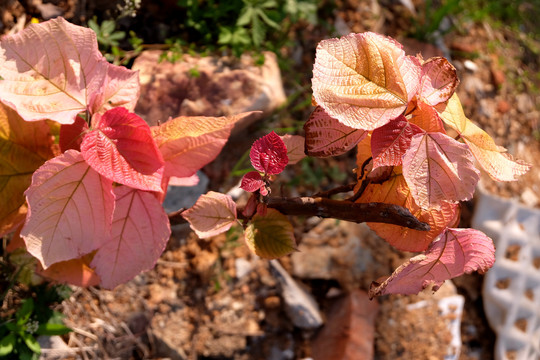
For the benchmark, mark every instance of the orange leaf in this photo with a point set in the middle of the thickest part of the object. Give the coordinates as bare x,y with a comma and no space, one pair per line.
395,191
493,159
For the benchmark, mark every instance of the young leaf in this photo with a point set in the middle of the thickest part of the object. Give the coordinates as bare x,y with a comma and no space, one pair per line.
269,154
295,145
426,117
395,191
439,169
493,159
31,342
140,231
270,236
389,142
212,214
454,253
71,135
120,89
253,181
364,80
75,272
70,210
188,143
438,82
326,136
24,147
50,70
122,149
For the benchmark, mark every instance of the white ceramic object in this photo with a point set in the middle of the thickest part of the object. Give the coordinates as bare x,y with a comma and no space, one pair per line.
511,290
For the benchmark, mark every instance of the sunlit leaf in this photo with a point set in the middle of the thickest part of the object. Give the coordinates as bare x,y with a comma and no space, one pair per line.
50,70
54,70
439,169
269,154
140,231
270,236
212,214
326,136
120,89
438,82
395,191
364,80
454,253
70,210
493,159
389,142
188,143
24,147
122,149
295,145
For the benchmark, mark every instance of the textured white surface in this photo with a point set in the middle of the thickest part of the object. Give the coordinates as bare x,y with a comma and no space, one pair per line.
511,289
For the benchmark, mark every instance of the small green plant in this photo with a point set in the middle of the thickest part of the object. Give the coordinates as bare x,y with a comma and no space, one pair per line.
18,333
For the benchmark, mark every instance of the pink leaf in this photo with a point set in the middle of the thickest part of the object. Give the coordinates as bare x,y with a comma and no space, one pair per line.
454,253
212,214
188,143
50,70
71,135
269,154
184,181
252,181
120,89
140,231
438,82
326,136
122,149
364,80
295,145
70,210
439,169
389,142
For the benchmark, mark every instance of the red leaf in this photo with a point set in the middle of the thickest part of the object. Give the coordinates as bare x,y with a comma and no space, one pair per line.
70,209
389,142
326,136
140,231
269,154
71,135
439,169
252,181
122,149
454,253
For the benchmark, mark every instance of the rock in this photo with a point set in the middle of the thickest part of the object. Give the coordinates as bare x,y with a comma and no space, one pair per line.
524,103
54,347
529,198
503,106
171,332
333,251
242,267
299,304
471,66
179,197
349,331
207,86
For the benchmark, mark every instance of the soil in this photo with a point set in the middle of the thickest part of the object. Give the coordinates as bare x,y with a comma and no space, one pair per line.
196,305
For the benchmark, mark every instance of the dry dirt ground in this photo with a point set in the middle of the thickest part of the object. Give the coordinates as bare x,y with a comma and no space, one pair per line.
196,302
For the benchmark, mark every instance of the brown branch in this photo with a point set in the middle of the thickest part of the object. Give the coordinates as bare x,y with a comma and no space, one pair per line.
348,211
336,209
